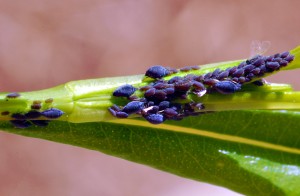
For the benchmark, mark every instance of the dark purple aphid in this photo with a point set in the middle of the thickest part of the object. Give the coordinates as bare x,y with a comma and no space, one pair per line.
160,86
13,95
289,58
242,64
195,67
258,62
284,54
182,86
222,75
283,63
255,71
210,82
215,73
18,116
33,115
52,113
227,87
157,71
150,92
150,110
238,73
170,113
133,107
248,68
133,98
5,113
187,68
163,105
160,95
208,75
121,114
40,123
199,78
241,80
272,65
198,86
22,124
144,88
124,91
174,80
155,118
169,91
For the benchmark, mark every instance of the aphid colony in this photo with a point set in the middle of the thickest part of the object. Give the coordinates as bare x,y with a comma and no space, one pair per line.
32,117
161,98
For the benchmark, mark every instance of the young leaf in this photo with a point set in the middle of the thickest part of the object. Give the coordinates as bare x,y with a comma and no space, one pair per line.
250,143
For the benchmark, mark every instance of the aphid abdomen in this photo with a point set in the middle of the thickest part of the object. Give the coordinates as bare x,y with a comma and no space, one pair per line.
52,113
133,107
155,118
157,72
22,124
124,91
227,87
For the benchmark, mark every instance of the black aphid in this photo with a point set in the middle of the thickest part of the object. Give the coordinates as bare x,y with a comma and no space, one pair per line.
5,113
163,105
157,72
52,113
13,95
124,91
155,118
227,87
18,116
133,107
22,124
33,115
121,114
40,123
150,92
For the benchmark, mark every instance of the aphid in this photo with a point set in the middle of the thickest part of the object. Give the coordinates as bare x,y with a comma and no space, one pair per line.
210,81
163,105
33,114
248,68
121,114
133,98
40,123
150,92
49,100
215,73
36,106
174,80
18,116
260,82
5,113
222,75
52,113
157,72
227,87
133,107
169,91
238,73
124,91
195,67
272,65
182,86
13,95
155,118
160,95
187,68
150,110
170,113
22,124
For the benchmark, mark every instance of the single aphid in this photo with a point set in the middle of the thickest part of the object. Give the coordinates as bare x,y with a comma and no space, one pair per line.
5,113
124,91
18,116
36,106
227,87
22,124
13,95
33,114
52,113
157,72
133,107
155,118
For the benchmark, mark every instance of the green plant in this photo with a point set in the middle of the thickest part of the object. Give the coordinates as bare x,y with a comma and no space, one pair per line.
248,142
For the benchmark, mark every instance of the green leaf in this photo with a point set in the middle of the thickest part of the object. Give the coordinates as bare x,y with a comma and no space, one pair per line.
251,152
248,141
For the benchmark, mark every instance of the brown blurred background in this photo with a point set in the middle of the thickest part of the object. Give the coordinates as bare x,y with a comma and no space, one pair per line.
44,43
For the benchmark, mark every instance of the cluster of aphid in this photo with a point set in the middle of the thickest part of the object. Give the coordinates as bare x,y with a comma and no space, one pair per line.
160,100
34,116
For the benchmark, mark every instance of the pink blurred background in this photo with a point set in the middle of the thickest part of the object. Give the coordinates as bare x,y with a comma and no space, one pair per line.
44,43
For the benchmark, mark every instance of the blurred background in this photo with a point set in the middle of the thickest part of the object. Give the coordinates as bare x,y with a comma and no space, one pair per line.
44,43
